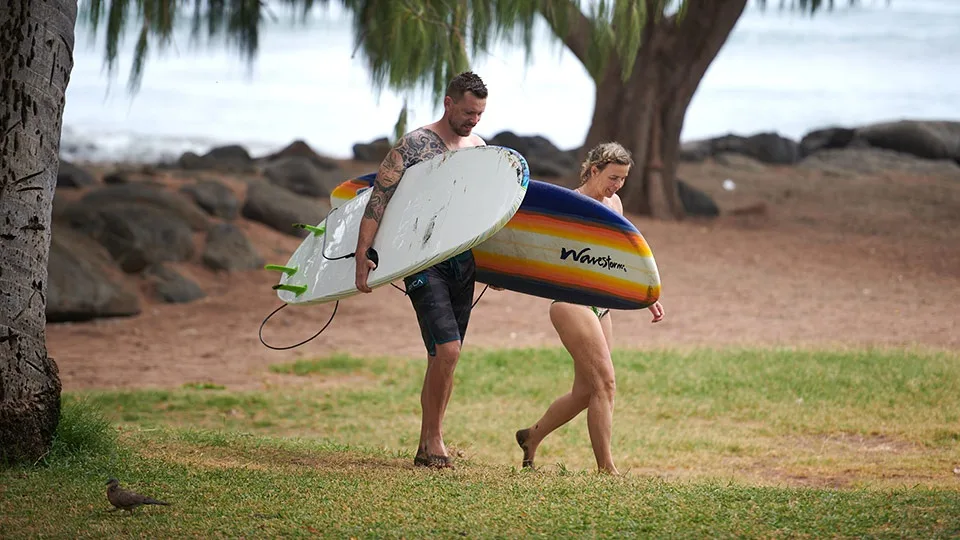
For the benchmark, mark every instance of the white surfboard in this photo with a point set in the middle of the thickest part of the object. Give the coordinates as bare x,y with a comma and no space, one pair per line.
442,207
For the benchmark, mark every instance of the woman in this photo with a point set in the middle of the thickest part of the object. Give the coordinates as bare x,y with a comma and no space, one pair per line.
586,331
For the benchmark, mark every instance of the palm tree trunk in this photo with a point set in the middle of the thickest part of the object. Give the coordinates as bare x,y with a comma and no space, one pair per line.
36,58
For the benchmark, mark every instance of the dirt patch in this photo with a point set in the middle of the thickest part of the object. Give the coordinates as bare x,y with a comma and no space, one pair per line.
830,261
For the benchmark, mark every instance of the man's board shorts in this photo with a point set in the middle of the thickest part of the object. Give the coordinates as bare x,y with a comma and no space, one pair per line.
442,296
599,312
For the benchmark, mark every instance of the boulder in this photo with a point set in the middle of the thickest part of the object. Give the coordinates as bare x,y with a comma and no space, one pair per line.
280,208
135,234
70,175
118,177
925,139
83,282
214,198
227,248
764,147
852,160
149,195
696,202
825,139
301,176
543,157
372,152
170,286
230,158
301,149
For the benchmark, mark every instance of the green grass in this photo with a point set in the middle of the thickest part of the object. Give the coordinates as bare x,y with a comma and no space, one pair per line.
712,444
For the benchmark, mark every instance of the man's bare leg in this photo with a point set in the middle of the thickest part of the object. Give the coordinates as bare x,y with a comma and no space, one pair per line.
437,387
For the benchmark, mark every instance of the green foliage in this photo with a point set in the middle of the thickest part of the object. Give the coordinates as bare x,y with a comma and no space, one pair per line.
408,45
83,431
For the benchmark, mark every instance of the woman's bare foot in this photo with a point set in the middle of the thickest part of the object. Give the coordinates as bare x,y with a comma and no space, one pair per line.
522,437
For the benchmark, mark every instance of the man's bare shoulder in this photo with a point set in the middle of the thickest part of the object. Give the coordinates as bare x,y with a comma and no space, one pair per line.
477,140
418,145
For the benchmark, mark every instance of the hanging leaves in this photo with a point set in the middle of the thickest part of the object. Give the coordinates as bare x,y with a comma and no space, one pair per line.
408,45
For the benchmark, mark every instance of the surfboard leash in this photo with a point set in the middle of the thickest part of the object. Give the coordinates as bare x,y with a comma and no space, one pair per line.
311,338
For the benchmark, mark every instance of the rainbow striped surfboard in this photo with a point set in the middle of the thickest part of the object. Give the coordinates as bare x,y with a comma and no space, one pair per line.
561,245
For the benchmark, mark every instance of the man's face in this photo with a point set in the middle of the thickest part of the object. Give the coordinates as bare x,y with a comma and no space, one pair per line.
465,114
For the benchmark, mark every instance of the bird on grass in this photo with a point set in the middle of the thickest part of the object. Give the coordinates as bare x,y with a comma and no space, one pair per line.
123,499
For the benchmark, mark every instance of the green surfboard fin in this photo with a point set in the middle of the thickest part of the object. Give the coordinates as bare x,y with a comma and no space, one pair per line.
317,231
288,270
295,289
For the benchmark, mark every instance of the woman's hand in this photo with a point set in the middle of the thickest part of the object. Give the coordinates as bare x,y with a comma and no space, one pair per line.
657,311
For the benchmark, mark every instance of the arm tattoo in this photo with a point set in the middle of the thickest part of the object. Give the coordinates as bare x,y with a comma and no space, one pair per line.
385,185
412,148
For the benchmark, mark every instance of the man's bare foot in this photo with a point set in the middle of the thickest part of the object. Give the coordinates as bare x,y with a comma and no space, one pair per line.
522,437
423,459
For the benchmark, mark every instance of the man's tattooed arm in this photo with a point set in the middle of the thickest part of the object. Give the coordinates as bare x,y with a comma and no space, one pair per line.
418,145
388,178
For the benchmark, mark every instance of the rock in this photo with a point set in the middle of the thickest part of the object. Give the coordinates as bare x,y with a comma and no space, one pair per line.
135,234
543,158
171,287
925,139
372,152
825,139
117,177
696,202
230,158
764,147
83,282
851,160
695,151
301,176
70,175
232,154
150,195
739,162
279,208
214,198
191,161
227,248
301,149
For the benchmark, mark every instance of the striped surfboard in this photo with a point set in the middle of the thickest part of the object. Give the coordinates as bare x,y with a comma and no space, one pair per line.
561,245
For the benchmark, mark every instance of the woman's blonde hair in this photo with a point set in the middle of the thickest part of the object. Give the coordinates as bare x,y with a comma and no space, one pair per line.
602,155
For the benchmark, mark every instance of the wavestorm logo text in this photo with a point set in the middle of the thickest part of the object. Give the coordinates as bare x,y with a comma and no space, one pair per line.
582,258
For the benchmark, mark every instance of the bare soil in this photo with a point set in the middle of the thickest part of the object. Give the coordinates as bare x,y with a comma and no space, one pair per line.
801,257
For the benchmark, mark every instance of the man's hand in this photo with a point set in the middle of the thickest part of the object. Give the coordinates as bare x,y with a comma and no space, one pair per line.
657,311
364,265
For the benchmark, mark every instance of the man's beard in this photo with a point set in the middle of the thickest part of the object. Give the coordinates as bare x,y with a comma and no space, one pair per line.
461,129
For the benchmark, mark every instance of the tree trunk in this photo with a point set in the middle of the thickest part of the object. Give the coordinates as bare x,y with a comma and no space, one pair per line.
645,113
36,58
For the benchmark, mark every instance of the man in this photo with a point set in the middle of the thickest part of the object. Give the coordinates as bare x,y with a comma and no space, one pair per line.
442,295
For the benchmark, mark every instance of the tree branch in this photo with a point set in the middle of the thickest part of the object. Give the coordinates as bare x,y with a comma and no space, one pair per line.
569,24
711,24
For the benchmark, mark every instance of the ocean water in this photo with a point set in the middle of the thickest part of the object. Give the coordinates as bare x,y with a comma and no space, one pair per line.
779,71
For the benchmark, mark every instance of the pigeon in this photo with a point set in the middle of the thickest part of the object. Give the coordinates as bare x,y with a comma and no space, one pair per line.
122,499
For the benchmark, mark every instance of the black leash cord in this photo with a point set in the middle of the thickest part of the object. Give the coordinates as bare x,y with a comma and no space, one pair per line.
335,306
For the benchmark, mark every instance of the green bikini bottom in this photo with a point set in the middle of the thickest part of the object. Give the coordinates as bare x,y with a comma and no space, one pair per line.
599,312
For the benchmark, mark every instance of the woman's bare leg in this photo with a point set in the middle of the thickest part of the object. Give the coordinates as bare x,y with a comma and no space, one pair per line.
593,385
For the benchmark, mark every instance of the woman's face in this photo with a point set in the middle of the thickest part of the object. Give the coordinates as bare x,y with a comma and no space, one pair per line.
609,180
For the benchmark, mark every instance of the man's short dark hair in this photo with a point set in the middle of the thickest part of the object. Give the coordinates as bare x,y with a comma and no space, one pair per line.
467,81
